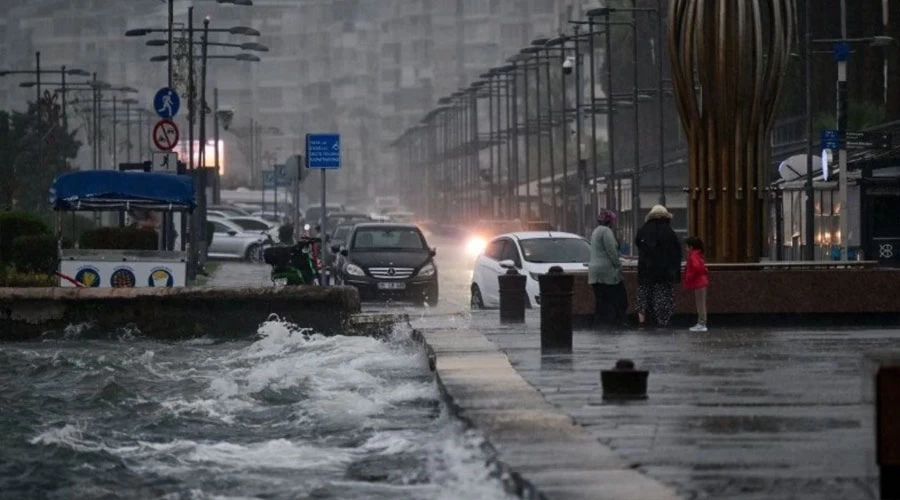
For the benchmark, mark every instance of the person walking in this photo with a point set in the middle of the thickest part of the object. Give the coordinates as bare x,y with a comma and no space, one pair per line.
696,279
605,273
659,266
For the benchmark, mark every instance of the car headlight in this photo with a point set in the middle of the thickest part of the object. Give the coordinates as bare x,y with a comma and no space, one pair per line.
427,270
535,276
476,246
354,270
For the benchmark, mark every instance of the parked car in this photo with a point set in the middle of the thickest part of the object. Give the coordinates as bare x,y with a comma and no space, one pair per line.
228,210
252,224
485,230
336,219
533,254
389,260
401,216
278,218
314,212
230,241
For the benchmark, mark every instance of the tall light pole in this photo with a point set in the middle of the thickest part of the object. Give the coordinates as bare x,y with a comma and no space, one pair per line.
842,57
810,216
579,127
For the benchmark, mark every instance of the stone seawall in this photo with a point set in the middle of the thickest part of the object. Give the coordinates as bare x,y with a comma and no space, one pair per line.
172,313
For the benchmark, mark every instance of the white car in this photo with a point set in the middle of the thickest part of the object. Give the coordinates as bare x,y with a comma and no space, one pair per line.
252,224
230,241
532,254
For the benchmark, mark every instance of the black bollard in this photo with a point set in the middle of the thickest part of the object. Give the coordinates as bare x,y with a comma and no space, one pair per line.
624,382
512,296
887,430
556,310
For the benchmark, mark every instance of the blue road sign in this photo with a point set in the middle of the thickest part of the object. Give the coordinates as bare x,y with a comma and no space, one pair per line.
841,51
831,139
323,151
166,102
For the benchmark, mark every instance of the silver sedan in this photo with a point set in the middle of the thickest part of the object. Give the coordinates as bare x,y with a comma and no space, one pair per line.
230,241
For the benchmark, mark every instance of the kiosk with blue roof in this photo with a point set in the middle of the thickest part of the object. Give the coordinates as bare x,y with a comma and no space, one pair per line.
113,191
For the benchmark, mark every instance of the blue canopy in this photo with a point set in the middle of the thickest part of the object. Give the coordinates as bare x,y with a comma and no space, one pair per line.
114,190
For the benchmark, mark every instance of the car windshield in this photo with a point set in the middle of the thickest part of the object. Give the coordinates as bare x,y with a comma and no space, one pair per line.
556,250
388,239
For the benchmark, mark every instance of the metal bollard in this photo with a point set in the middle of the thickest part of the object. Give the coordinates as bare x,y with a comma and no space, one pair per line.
624,382
556,310
512,296
887,430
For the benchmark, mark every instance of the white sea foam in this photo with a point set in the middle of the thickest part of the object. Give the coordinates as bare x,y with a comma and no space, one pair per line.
316,385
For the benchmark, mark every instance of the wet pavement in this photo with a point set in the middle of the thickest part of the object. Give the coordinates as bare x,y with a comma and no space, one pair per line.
745,414
733,413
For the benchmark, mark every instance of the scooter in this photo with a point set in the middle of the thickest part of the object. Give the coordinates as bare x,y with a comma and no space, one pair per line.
292,265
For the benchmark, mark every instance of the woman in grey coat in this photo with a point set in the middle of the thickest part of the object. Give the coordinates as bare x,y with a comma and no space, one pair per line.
605,273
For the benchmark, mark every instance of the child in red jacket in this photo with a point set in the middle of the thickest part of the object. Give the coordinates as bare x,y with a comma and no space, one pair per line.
696,278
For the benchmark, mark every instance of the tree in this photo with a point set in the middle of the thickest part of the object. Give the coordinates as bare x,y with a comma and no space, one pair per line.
25,179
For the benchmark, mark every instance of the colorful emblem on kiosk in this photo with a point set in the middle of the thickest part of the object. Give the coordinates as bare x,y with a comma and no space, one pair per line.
88,276
160,277
122,277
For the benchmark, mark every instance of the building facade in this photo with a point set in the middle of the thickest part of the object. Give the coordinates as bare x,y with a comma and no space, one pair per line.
368,69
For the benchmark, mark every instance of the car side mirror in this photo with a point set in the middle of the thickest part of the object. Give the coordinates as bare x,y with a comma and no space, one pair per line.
232,233
432,252
507,264
336,249
344,252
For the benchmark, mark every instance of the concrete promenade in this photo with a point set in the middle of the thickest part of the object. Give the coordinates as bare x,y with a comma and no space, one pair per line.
742,414
543,452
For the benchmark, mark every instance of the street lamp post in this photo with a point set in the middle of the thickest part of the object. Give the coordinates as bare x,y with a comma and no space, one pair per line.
554,214
579,127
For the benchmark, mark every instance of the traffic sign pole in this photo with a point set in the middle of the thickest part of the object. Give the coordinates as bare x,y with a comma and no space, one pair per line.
323,151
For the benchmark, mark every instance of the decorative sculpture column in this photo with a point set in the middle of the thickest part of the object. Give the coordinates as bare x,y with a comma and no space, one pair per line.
728,60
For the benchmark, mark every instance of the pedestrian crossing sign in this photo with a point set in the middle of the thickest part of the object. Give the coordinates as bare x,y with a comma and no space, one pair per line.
165,162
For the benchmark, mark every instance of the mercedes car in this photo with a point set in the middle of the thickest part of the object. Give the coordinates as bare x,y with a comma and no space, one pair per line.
384,260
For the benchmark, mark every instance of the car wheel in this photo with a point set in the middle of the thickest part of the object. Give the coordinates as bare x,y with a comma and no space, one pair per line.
432,296
477,302
254,252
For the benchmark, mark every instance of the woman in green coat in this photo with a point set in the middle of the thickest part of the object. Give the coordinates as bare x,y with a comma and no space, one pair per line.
605,273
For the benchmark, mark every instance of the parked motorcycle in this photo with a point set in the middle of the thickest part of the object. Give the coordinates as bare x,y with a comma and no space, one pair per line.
293,265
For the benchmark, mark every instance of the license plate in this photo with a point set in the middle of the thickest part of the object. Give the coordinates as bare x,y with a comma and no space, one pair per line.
392,286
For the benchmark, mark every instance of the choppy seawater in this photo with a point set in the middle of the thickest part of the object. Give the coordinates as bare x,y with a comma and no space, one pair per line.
291,415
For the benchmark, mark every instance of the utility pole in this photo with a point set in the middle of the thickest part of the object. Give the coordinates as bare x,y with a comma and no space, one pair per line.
810,219
612,198
636,178
660,34
595,201
171,27
554,213
201,185
579,97
842,133
37,106
216,147
195,230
